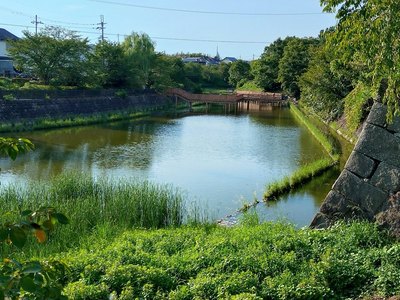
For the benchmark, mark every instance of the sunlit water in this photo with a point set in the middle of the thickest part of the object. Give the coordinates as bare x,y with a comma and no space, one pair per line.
219,161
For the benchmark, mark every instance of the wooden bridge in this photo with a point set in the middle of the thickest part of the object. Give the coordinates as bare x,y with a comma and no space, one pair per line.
240,100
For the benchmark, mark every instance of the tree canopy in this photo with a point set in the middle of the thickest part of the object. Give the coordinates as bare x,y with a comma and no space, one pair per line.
239,73
54,55
294,63
367,36
266,69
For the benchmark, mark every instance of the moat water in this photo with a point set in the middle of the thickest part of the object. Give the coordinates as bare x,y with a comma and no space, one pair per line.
218,161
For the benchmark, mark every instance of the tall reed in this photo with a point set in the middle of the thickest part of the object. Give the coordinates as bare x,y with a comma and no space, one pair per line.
94,203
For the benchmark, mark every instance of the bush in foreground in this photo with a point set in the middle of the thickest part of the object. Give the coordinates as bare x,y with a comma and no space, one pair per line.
268,261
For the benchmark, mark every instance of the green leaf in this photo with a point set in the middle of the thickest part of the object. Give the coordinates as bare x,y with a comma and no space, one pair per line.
18,237
55,293
3,234
35,225
26,213
62,219
48,224
28,285
38,279
32,267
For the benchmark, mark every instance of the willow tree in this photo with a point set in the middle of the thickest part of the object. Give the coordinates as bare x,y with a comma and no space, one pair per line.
367,36
140,50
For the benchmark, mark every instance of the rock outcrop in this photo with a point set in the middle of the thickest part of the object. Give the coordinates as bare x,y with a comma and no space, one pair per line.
368,187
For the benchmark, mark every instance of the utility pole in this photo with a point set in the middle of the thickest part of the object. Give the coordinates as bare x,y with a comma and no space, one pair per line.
36,22
101,27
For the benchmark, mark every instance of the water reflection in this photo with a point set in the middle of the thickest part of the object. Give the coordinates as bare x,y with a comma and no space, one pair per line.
219,160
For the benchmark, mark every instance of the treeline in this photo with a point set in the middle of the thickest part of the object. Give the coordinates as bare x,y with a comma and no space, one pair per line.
60,58
338,73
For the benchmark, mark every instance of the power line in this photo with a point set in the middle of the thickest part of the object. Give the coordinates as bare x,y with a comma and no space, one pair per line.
17,25
17,12
207,12
157,37
67,23
206,40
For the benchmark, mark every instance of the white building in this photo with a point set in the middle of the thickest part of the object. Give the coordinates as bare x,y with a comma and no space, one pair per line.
6,65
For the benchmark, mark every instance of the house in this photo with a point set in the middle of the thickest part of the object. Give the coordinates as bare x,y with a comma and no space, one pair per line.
228,60
203,60
196,60
6,64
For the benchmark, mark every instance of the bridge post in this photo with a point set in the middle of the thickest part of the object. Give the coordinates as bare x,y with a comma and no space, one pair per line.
248,105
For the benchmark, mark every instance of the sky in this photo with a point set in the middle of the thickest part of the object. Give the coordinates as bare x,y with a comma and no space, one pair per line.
239,29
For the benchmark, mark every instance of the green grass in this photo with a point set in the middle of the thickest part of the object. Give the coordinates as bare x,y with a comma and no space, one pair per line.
267,261
321,137
218,91
93,206
48,123
250,86
301,175
354,108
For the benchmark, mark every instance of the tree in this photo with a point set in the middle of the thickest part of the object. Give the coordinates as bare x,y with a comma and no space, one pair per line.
54,56
323,90
294,62
111,68
194,77
266,69
367,34
239,73
161,73
140,51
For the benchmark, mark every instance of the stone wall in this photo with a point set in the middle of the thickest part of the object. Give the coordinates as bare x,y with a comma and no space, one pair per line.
371,178
21,110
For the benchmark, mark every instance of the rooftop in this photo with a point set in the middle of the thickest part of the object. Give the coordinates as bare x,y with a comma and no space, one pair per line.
6,35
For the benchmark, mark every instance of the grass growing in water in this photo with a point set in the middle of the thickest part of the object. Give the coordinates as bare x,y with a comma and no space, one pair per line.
301,175
94,204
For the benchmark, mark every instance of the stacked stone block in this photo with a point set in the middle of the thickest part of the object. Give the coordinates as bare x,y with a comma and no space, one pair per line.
23,110
371,176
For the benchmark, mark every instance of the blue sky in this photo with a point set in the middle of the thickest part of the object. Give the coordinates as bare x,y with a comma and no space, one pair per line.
277,18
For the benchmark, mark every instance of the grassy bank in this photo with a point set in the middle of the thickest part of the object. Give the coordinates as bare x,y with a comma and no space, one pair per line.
318,134
94,206
268,261
301,175
308,171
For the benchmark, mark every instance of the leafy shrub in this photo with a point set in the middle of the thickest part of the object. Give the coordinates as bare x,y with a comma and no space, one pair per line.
79,290
121,94
9,97
355,107
267,261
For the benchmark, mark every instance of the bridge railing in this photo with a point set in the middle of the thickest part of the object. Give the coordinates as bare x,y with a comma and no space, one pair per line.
238,96
203,97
